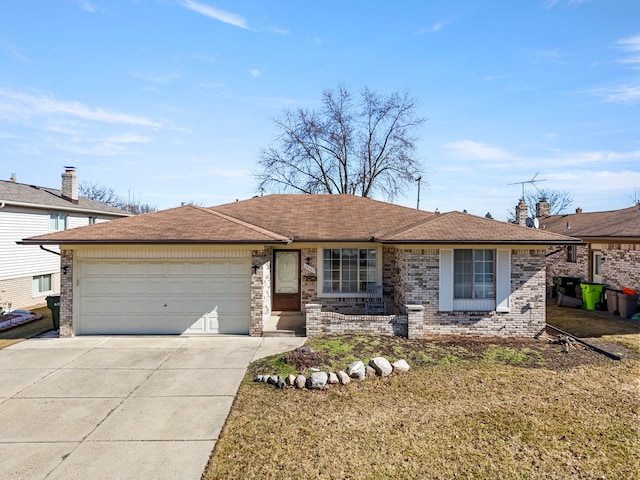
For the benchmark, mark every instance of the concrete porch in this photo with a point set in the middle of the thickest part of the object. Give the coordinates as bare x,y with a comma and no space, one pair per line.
285,324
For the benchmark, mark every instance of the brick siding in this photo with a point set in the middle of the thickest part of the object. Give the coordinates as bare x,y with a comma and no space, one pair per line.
416,292
66,295
620,268
260,290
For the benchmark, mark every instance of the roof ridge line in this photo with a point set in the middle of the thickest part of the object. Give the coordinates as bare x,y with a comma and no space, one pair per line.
413,225
237,221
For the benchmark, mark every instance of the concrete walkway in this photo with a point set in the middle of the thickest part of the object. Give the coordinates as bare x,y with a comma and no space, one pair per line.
120,407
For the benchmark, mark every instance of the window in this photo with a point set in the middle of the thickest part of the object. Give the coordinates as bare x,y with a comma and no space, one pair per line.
572,251
41,284
57,221
474,280
92,220
348,270
473,274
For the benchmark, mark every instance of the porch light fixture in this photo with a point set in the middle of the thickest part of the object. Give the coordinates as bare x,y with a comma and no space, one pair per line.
308,260
64,269
255,268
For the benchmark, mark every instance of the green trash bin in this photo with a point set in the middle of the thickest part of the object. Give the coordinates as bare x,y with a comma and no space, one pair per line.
53,302
591,294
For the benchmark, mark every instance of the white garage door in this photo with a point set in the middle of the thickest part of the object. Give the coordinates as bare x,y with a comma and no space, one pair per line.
135,297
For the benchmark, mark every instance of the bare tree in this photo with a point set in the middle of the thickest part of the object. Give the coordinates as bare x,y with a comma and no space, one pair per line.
635,197
108,196
99,193
558,200
360,146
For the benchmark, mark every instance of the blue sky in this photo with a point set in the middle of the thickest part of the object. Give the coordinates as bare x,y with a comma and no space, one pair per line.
171,100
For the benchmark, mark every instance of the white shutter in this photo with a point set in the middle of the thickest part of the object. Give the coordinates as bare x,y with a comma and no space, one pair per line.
446,280
503,280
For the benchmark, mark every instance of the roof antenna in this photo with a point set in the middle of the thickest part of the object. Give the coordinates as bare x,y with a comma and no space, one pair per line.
419,179
532,182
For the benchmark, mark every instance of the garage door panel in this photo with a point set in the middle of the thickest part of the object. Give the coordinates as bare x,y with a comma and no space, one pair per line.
138,297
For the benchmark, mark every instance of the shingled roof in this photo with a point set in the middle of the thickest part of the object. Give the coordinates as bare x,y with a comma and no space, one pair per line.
186,224
614,224
22,194
280,219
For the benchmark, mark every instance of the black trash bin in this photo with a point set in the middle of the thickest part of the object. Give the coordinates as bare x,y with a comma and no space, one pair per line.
566,285
53,302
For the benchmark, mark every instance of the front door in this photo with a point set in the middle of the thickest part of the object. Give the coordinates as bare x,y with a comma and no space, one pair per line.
286,279
596,267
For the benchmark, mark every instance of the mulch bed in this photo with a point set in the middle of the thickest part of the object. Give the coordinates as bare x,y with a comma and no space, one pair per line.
10,325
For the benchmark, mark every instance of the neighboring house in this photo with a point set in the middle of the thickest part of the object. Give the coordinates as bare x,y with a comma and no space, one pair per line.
227,269
27,273
612,251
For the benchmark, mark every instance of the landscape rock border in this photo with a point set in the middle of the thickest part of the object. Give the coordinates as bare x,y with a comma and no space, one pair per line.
319,380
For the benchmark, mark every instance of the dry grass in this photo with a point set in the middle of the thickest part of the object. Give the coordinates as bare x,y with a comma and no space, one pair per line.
28,330
595,325
466,410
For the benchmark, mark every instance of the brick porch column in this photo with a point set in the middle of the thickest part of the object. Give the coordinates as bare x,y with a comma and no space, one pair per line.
313,319
66,294
415,327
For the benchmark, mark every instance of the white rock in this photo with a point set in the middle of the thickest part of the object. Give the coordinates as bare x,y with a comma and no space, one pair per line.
356,370
400,366
300,381
333,378
317,380
381,366
343,377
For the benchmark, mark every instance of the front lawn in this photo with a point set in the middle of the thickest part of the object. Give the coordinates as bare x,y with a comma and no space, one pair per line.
467,409
28,330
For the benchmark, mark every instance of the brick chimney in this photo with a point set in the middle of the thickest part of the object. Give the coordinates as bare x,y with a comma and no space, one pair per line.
543,208
578,210
13,177
70,185
522,211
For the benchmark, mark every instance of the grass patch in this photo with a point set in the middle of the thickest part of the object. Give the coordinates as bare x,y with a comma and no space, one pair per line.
511,356
28,330
466,409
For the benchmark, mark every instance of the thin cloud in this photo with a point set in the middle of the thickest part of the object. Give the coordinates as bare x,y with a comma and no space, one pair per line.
631,44
623,94
471,150
552,3
129,138
435,28
13,51
255,73
216,14
87,6
23,106
278,30
161,79
551,55
212,85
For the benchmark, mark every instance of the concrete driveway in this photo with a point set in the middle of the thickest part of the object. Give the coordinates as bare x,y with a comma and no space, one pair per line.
120,407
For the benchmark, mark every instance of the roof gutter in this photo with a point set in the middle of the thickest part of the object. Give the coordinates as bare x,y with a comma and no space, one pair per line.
150,242
50,251
65,208
483,242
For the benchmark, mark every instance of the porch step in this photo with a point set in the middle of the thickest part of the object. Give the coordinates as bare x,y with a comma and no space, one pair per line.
285,324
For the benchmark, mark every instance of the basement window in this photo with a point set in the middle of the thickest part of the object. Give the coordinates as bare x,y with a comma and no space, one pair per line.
41,284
